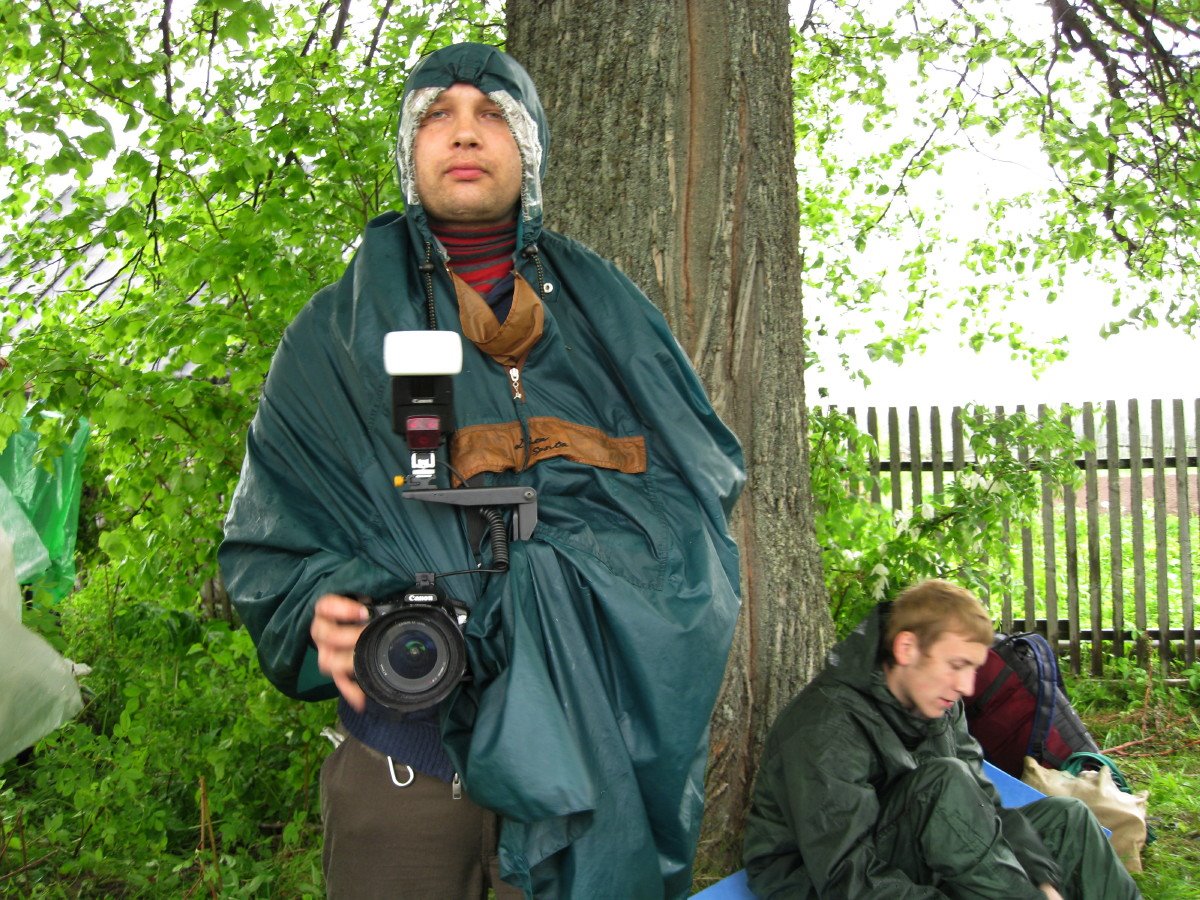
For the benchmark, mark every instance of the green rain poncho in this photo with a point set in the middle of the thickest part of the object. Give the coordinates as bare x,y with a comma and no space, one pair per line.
597,657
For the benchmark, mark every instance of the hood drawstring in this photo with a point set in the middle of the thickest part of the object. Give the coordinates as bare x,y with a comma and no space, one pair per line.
531,252
427,269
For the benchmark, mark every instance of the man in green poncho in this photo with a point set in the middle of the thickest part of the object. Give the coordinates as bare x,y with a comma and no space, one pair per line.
595,659
871,786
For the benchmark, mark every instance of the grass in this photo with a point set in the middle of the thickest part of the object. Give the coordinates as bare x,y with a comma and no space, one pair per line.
1135,568
1152,732
1141,544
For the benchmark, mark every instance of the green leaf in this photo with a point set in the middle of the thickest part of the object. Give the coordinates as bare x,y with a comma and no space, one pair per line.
98,144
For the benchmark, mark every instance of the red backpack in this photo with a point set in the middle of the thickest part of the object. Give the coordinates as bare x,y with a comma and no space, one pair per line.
1020,707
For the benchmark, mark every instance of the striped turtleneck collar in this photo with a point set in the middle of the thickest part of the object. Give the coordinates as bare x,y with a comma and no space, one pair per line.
480,256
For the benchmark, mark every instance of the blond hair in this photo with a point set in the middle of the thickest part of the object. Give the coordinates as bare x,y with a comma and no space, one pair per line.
931,608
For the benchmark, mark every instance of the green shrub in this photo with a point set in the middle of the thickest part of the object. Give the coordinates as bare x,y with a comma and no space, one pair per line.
185,766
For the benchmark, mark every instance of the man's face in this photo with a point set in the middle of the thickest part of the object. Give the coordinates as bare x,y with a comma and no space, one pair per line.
467,165
929,682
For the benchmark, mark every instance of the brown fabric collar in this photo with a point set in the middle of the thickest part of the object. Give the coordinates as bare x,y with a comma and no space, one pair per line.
507,342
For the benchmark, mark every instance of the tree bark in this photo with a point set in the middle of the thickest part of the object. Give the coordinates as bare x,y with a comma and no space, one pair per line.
672,154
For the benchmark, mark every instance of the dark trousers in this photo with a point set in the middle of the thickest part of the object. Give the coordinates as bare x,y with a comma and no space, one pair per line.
940,828
414,841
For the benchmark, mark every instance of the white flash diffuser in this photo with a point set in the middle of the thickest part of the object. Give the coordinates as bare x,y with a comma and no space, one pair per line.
422,353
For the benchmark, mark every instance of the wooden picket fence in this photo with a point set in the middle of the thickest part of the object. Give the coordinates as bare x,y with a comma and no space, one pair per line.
1138,504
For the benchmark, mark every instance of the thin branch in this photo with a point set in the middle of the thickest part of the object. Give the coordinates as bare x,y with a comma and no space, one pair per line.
807,22
25,868
1077,35
383,17
99,287
212,45
339,27
164,25
911,164
316,29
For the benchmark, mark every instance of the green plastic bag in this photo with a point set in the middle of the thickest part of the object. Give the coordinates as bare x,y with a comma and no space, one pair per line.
48,500
31,556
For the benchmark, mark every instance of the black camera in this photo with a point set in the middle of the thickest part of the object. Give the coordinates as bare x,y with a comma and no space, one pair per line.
411,654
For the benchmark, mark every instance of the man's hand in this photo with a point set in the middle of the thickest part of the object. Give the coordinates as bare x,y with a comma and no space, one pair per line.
337,623
1050,891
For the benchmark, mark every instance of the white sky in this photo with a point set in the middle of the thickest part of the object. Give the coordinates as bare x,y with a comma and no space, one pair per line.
1160,363
1145,364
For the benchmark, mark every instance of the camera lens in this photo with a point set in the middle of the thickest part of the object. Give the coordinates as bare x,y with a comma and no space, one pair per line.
410,658
409,654
413,654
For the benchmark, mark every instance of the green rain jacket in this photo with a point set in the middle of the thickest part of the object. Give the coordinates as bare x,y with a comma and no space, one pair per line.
597,657
831,753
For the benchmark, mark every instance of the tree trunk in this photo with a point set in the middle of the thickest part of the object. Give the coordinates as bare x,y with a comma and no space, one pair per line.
672,154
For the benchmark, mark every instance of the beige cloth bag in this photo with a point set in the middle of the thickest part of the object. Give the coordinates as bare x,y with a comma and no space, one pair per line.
1122,814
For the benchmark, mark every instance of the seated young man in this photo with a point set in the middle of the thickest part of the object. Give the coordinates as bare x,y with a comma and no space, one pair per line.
871,786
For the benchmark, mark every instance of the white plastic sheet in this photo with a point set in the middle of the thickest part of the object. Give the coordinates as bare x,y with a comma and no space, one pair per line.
38,691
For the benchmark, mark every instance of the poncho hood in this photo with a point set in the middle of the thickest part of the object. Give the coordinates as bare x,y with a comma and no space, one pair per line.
857,662
854,660
500,77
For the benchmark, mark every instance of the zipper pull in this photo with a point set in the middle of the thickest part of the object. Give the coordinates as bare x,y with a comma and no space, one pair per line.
456,788
514,376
